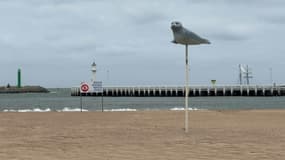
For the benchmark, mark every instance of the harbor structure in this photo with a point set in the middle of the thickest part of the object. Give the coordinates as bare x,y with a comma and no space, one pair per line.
179,91
19,78
21,89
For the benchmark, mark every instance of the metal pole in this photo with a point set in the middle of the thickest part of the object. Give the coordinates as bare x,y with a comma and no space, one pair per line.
240,75
80,101
247,75
102,103
186,88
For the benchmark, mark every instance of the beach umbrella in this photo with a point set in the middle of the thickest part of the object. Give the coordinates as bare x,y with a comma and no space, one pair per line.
186,37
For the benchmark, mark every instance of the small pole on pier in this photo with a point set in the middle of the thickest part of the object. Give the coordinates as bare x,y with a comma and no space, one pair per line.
186,88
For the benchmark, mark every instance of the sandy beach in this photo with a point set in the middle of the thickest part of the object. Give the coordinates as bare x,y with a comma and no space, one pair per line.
159,135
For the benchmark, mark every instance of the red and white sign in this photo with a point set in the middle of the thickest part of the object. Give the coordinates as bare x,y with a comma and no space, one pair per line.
84,88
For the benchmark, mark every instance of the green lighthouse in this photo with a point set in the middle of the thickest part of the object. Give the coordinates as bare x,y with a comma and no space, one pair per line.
19,78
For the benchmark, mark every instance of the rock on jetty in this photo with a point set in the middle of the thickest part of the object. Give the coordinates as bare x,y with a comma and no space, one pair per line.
24,89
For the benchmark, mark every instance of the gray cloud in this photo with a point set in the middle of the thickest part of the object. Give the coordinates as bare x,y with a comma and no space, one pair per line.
229,36
65,36
277,19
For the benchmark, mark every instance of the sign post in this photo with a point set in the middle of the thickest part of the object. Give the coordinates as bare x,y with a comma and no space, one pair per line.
80,101
98,88
84,88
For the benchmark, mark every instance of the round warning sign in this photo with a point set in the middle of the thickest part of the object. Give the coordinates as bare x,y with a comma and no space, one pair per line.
84,87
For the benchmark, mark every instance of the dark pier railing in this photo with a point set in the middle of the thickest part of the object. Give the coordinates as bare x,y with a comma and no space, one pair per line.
179,91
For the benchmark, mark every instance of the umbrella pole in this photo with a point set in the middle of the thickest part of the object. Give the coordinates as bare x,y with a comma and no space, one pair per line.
186,88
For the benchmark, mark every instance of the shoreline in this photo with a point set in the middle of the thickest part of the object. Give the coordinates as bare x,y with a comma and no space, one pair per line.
67,109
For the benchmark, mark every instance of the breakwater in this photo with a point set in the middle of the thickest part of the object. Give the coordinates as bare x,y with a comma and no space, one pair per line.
24,89
179,91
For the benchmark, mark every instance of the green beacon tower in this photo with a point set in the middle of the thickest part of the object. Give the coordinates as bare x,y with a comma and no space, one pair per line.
19,78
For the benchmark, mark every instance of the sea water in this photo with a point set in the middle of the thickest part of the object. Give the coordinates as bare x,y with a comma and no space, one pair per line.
60,100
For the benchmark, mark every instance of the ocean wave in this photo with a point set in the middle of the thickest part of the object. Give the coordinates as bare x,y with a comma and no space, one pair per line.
66,109
120,110
182,109
28,110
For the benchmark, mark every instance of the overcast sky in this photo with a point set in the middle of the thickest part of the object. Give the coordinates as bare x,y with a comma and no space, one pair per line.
54,42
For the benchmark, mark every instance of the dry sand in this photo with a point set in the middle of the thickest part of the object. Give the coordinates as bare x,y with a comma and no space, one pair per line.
159,135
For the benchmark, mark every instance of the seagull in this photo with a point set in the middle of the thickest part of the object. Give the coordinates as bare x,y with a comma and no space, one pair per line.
185,36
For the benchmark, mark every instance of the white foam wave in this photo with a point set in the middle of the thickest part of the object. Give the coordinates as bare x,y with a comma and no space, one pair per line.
182,109
121,110
66,109
28,110
9,110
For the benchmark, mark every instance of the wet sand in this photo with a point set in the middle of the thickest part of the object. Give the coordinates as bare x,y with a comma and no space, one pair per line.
159,135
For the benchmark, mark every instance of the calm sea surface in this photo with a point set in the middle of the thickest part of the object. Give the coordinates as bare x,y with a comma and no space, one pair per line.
60,100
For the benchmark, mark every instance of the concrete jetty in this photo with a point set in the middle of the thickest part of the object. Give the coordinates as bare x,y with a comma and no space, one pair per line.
23,89
179,91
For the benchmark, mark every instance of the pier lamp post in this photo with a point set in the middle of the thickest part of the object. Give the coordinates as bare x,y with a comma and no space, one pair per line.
186,37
